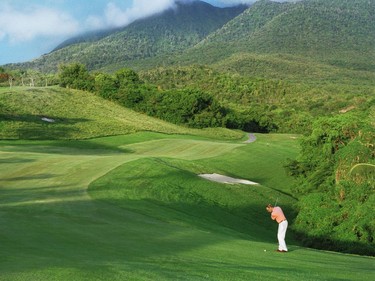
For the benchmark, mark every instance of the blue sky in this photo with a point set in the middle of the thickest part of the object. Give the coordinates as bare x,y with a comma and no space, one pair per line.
30,28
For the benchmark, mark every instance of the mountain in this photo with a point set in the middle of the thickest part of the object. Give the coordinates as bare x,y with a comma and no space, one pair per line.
170,32
336,32
288,40
91,36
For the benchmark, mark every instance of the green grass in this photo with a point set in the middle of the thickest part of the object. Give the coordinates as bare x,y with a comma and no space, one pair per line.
294,69
133,208
78,115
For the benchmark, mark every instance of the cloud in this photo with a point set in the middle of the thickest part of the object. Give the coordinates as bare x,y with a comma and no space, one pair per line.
248,2
235,2
114,16
20,25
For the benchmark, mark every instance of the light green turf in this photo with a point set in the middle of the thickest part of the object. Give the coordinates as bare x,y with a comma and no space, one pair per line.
78,115
133,208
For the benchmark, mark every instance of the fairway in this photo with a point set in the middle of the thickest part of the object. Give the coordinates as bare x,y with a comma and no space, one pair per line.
134,208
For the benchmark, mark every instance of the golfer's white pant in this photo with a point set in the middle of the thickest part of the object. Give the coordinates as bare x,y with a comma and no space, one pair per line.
281,235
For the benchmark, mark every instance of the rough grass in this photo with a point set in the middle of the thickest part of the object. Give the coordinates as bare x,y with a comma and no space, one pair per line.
78,115
132,208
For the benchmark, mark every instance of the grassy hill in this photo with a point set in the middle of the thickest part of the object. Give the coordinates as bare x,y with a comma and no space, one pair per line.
77,115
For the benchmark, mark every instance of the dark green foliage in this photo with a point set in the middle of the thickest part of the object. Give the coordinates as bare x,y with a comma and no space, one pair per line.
331,147
264,105
335,202
194,108
127,78
75,76
253,120
189,106
125,87
345,224
130,90
105,85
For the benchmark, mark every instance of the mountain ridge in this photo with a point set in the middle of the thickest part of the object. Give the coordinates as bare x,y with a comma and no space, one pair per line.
171,31
332,32
338,33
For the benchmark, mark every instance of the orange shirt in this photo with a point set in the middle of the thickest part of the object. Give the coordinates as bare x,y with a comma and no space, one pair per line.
277,214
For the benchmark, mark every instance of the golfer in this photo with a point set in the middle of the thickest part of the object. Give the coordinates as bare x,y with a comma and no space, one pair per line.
278,215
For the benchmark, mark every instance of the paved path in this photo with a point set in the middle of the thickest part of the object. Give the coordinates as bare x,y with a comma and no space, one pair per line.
251,139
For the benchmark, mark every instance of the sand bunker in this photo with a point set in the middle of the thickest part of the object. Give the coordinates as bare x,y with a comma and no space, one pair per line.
225,179
49,120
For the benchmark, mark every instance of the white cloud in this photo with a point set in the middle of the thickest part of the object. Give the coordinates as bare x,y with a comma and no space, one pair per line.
26,24
94,22
236,2
20,25
2,35
115,16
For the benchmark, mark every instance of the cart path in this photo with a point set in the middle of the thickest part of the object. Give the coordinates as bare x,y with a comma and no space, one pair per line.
251,139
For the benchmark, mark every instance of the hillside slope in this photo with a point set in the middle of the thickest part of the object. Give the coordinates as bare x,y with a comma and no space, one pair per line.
169,32
122,208
57,113
340,33
289,40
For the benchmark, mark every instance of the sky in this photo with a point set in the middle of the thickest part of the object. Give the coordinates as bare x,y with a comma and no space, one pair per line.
31,28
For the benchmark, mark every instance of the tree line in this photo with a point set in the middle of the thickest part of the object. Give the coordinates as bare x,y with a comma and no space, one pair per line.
189,106
29,77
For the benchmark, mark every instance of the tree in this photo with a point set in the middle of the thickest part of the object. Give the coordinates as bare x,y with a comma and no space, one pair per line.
317,160
126,78
105,85
75,76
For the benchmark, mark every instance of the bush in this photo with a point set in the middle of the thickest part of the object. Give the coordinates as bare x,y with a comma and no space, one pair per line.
335,198
76,76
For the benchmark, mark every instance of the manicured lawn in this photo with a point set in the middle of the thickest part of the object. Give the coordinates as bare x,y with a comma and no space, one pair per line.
133,208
